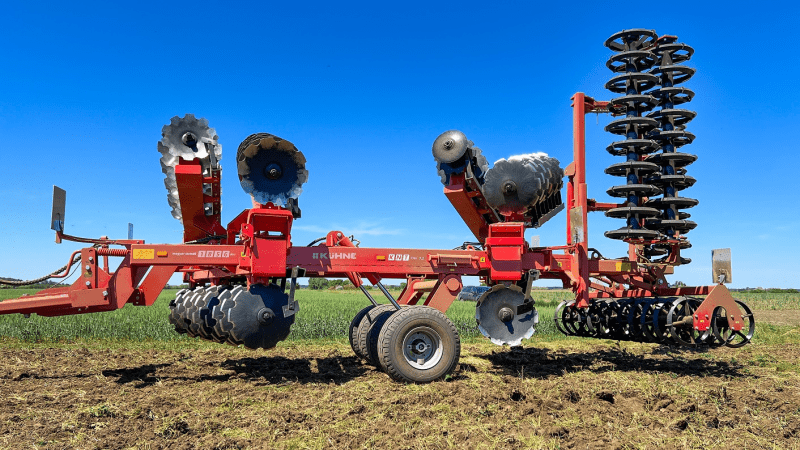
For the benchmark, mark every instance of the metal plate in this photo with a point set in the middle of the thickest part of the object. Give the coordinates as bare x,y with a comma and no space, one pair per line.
59,209
721,265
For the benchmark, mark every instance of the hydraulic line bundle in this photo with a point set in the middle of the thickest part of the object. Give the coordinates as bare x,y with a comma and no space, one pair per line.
242,275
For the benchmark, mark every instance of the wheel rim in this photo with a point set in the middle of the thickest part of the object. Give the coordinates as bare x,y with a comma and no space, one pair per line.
422,348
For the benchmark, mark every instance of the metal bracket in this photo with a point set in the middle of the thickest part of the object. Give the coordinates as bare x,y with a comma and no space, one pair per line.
529,302
721,265
59,209
293,307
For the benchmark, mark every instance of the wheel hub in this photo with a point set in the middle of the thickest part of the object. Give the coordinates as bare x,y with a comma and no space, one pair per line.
422,348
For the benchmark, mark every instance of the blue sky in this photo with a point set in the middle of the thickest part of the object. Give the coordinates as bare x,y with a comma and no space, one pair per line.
363,89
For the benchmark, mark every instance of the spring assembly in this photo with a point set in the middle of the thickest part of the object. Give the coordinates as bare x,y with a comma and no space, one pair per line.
631,60
671,134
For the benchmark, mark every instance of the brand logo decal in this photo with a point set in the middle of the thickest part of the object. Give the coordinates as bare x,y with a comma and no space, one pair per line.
333,256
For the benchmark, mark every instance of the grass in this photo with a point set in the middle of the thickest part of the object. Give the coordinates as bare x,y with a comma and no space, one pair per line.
138,384
324,315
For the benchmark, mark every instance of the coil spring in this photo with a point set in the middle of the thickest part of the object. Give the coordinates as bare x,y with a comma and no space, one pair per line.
671,134
631,59
119,252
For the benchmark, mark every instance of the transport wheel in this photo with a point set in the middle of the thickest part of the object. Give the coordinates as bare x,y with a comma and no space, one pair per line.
352,332
727,336
418,344
371,318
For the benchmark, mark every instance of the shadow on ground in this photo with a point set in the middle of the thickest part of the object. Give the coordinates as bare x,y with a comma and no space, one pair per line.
545,363
258,371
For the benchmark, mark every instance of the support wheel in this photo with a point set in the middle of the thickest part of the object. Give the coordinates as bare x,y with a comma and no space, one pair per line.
729,337
352,332
418,344
374,317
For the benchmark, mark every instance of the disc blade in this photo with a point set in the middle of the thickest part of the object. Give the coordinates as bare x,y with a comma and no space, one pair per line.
258,318
271,169
500,317
450,146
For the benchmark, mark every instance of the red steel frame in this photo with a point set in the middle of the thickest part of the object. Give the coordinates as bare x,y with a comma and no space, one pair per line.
257,246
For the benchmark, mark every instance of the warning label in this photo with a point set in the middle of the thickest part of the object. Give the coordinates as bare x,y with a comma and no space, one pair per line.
144,253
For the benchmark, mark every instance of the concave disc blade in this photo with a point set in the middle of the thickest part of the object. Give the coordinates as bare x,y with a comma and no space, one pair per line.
498,318
257,316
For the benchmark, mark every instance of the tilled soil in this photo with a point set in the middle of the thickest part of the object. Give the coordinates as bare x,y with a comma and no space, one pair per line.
567,394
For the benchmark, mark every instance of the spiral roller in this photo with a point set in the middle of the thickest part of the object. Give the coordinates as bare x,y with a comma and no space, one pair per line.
629,63
671,135
664,320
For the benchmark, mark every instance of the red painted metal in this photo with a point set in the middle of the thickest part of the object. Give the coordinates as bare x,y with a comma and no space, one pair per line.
196,223
257,247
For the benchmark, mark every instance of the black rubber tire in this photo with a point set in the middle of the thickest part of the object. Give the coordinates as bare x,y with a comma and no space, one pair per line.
415,319
352,332
365,326
373,334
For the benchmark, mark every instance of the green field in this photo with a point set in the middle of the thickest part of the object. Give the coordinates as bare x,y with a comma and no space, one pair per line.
324,315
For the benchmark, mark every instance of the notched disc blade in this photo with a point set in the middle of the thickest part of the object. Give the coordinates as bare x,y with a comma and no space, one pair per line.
257,316
450,146
271,169
500,317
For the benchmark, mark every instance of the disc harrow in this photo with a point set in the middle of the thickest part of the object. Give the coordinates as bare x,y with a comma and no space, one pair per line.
243,275
630,63
671,135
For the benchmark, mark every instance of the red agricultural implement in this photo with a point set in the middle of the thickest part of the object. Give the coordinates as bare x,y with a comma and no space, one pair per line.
243,275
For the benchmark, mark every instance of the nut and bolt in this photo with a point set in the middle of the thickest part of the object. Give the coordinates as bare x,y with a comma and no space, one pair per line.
105,293
88,284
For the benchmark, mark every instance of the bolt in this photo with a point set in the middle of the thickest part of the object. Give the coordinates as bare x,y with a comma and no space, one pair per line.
509,188
189,139
265,316
91,259
505,314
273,171
449,144
88,284
88,267
338,235
105,293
